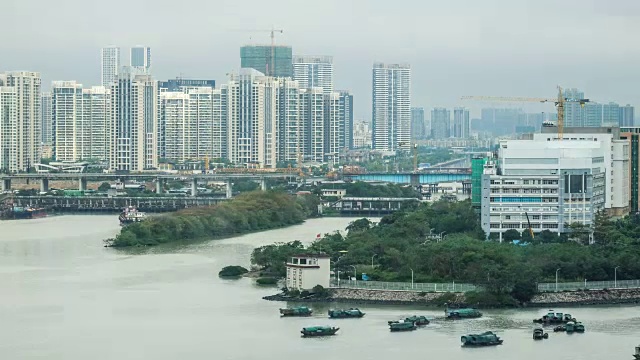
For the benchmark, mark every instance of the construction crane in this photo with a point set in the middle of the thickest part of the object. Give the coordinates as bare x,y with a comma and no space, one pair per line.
529,223
559,102
272,31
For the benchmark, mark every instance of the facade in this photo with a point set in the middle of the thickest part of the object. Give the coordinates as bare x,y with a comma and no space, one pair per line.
47,120
252,121
308,270
632,135
477,169
276,61
361,135
626,116
179,83
418,124
140,58
314,71
391,107
313,124
440,123
82,122
289,121
461,125
134,100
110,65
555,183
193,123
28,120
8,129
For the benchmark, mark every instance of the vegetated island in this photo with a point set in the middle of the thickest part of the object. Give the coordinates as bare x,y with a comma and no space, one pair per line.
248,212
506,273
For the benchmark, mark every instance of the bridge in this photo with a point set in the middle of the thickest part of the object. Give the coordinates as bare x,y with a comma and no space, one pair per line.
426,176
158,178
370,206
114,204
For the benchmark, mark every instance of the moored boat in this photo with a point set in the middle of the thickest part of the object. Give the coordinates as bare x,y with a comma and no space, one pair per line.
559,328
402,325
462,313
343,314
487,338
578,327
319,331
554,318
418,320
28,212
296,311
539,334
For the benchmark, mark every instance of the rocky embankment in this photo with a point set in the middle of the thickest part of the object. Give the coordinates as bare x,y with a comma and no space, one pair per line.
362,296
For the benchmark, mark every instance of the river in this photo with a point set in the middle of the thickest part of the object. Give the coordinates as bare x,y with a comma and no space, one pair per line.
64,296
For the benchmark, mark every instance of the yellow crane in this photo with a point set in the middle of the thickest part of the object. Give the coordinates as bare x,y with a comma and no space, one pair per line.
559,102
272,31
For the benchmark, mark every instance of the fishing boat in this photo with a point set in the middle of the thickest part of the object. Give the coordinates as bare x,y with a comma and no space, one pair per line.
319,331
296,311
575,327
559,328
402,325
539,334
343,314
462,313
418,320
554,318
487,338
131,215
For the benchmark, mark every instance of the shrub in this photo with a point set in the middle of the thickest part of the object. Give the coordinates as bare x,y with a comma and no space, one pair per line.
232,271
267,281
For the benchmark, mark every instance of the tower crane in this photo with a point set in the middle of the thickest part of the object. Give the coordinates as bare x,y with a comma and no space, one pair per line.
559,102
272,31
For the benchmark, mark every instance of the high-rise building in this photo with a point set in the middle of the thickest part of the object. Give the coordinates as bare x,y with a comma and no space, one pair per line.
626,116
179,83
418,125
391,107
8,129
82,122
313,121
461,124
590,114
135,121
272,61
361,135
289,122
314,71
28,131
252,121
110,65
440,123
47,120
194,123
346,120
140,58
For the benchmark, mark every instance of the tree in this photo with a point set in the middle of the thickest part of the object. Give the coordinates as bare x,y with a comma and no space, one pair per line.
510,235
359,225
105,186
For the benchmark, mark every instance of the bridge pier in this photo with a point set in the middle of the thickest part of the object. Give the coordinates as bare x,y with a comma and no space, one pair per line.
44,185
414,179
159,185
82,184
194,187
6,184
229,189
263,184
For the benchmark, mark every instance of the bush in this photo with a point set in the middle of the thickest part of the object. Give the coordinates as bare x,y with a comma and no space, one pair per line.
232,271
304,293
485,298
320,292
267,281
293,293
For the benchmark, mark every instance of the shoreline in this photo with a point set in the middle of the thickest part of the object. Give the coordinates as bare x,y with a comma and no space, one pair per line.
541,300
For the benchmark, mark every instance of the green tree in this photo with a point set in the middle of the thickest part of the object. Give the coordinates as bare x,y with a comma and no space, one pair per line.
105,186
511,235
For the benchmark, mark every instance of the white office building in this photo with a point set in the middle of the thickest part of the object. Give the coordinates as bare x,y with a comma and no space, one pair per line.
391,107
252,119
8,129
110,65
314,71
28,120
134,100
555,183
306,271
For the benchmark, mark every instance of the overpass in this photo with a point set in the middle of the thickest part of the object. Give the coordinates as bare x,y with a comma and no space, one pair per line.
158,178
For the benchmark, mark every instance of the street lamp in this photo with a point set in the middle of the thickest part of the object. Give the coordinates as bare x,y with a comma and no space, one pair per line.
338,278
411,277
557,279
615,277
374,255
355,272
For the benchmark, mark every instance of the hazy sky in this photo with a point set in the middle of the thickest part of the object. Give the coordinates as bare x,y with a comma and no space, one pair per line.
455,47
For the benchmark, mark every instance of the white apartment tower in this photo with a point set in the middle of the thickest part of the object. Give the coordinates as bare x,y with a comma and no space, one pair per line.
134,100
312,118
110,65
28,120
47,119
314,71
252,120
8,129
391,107
289,121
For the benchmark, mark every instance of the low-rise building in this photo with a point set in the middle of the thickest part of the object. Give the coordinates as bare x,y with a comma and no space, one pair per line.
334,192
305,271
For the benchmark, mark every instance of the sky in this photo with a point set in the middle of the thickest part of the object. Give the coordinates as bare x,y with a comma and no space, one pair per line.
454,47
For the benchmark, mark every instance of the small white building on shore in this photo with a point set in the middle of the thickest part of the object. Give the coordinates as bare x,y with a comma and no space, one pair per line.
305,271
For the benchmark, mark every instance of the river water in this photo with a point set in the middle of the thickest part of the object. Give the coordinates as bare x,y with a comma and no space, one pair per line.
64,296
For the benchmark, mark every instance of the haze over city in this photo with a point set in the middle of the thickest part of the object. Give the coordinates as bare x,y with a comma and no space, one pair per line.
455,48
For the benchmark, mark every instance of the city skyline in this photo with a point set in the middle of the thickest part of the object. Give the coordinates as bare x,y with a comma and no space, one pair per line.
484,53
